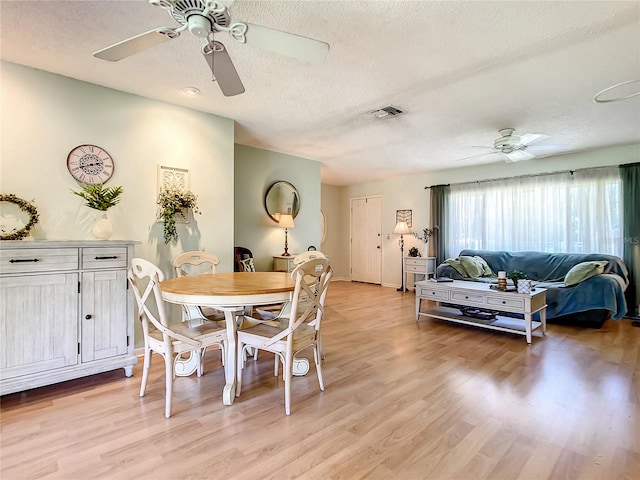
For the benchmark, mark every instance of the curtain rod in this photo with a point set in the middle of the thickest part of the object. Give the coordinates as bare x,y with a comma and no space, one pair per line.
528,176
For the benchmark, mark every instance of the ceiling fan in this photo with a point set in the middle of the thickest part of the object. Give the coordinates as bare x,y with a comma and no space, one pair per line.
204,18
514,147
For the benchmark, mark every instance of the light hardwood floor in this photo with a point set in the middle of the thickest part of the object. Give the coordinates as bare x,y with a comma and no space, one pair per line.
403,400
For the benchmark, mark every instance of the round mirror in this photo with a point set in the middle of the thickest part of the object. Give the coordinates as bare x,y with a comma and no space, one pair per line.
282,197
323,226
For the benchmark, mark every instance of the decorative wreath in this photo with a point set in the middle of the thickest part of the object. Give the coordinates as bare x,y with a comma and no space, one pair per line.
25,207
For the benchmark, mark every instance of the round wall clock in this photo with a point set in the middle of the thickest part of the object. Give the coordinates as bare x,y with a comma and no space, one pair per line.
90,164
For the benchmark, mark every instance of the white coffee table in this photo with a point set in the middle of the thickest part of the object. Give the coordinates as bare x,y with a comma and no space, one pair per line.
477,294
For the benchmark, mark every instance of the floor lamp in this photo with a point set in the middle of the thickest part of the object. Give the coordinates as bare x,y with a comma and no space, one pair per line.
402,229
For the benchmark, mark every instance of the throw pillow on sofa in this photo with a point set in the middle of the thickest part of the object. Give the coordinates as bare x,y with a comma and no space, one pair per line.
476,266
583,271
457,265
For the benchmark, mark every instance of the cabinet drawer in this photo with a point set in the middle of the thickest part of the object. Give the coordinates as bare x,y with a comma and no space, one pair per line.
431,293
468,297
104,257
419,262
415,268
506,302
27,260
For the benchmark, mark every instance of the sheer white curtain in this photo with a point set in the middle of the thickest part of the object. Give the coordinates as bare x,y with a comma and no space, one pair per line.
578,212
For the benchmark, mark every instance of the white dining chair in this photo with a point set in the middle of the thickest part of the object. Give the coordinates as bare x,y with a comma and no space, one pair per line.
197,262
291,335
168,340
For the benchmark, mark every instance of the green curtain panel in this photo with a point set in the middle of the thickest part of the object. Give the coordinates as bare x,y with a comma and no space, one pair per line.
439,196
630,175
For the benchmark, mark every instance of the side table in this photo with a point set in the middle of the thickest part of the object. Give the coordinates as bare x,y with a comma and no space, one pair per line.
425,266
284,264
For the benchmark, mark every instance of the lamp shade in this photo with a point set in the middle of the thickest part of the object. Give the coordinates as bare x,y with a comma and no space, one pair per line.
286,221
401,228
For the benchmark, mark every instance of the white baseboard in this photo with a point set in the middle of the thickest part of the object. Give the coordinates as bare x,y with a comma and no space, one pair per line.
340,279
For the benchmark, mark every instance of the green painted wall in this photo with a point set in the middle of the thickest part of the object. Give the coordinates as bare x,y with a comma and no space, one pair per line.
44,116
255,171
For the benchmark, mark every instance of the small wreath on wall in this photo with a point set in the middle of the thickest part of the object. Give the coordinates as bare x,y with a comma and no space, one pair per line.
15,233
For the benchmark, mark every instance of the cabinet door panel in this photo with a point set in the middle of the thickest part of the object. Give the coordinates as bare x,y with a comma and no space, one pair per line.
104,301
38,323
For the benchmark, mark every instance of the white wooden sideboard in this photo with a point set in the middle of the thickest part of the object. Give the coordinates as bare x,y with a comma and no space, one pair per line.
66,311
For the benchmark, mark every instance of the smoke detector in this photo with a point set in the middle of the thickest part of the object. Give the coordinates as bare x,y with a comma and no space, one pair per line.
387,112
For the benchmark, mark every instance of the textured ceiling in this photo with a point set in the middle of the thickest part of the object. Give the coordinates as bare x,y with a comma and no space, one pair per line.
461,70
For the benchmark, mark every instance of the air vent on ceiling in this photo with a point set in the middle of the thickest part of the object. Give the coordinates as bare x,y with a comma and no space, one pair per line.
387,112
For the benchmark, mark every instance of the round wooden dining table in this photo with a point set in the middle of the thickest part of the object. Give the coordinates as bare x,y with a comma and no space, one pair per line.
231,293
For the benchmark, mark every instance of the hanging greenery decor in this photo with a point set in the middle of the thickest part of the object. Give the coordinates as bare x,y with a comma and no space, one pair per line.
172,201
27,207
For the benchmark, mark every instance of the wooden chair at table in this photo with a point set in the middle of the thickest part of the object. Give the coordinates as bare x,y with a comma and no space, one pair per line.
262,312
159,336
301,258
300,331
282,311
240,254
197,262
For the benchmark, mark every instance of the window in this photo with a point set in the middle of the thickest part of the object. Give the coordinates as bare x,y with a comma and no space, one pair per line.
574,212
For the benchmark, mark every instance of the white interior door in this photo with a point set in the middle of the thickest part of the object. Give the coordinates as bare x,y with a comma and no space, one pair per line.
366,240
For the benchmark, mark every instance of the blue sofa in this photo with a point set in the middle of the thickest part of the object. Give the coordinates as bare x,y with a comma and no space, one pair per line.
592,300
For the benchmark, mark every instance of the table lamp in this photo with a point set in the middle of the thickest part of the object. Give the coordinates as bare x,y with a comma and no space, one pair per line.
286,221
402,229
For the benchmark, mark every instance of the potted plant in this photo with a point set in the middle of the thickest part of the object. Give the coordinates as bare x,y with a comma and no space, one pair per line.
173,201
101,198
427,233
414,252
516,275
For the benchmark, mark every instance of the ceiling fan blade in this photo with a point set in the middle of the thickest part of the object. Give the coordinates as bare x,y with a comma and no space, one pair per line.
477,156
136,44
223,69
302,48
540,148
529,138
519,155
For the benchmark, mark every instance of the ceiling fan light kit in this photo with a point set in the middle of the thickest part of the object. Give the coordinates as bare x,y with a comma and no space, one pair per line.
204,18
200,26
